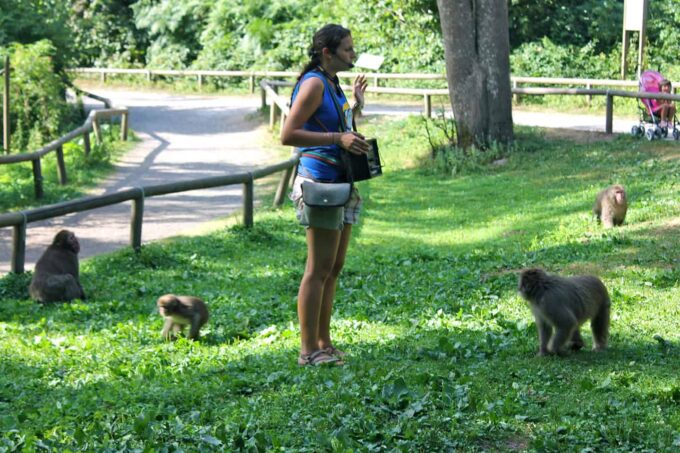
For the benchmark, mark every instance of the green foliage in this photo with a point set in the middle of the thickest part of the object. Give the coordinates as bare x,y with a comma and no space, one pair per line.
664,35
104,33
29,21
546,59
38,108
577,23
173,28
275,35
441,348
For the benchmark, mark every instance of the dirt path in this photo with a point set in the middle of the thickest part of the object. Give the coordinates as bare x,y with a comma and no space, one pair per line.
183,137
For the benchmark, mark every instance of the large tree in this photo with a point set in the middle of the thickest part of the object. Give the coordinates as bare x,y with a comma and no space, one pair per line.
477,54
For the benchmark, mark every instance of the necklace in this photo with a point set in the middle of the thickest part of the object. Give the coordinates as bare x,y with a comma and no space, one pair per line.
334,79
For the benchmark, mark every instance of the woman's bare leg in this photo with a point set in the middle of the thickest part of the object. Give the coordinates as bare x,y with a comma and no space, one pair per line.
324,337
322,247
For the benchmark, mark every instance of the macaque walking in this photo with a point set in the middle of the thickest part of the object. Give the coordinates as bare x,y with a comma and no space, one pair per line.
561,304
180,311
611,205
56,275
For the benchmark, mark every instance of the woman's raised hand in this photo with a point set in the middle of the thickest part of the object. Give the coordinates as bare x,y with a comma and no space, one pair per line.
359,88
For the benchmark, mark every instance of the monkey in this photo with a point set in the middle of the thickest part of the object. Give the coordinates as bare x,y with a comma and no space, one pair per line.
56,275
179,311
563,304
611,205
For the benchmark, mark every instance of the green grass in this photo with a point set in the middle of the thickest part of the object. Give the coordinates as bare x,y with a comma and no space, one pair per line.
441,348
83,172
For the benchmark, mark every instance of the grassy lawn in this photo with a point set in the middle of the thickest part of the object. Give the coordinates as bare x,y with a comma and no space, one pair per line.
441,348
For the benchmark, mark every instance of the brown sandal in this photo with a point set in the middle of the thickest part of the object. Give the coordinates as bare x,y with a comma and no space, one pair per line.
335,352
320,357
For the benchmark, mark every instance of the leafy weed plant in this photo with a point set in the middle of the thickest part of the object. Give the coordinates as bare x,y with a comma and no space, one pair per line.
441,348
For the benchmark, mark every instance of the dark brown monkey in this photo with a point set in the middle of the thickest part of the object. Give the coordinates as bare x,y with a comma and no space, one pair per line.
563,304
56,276
180,311
611,205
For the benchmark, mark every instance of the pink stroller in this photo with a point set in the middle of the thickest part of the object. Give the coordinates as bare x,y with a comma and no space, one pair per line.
649,110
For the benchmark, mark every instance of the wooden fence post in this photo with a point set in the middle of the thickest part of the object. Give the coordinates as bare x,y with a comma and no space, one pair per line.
199,77
136,221
97,130
263,95
103,76
61,165
515,97
124,126
18,247
5,107
248,202
610,114
283,187
86,143
37,178
427,108
251,83
272,115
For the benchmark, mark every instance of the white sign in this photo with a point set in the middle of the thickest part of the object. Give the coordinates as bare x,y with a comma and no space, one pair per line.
633,14
369,61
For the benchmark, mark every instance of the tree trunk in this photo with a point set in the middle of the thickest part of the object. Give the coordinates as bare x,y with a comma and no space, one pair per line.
477,51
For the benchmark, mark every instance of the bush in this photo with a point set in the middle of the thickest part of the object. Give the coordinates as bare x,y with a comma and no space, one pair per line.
547,59
39,111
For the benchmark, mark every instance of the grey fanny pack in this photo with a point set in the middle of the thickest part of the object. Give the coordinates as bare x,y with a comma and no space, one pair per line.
325,195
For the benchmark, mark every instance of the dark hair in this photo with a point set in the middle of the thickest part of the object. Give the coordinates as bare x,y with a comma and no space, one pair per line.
330,36
665,82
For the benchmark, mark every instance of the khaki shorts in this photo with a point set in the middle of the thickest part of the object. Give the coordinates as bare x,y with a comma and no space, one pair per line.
326,218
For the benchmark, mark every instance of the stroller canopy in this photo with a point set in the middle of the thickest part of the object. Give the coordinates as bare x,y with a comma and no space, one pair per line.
649,83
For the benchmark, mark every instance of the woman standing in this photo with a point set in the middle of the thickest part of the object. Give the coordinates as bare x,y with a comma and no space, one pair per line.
319,124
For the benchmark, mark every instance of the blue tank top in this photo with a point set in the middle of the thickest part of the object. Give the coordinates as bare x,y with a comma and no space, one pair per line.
324,163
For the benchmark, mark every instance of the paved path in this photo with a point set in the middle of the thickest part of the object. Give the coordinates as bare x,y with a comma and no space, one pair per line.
189,137
183,137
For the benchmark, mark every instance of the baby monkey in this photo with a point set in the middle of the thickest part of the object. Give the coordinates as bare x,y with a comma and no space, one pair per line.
563,304
180,311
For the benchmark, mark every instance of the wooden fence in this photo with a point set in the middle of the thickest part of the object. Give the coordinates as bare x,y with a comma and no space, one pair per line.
19,220
279,104
90,124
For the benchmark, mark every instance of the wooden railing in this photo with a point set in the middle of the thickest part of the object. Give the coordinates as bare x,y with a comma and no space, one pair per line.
90,124
200,75
279,104
19,220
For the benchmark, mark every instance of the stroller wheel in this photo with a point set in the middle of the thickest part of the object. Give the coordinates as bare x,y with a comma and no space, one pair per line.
650,134
634,131
658,132
676,133
664,132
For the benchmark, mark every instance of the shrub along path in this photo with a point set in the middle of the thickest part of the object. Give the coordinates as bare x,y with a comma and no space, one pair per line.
183,137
